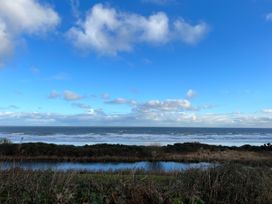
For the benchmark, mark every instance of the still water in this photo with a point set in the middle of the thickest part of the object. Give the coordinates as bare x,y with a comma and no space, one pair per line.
107,166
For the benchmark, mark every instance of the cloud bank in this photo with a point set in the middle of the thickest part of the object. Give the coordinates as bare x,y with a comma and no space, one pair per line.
168,112
134,118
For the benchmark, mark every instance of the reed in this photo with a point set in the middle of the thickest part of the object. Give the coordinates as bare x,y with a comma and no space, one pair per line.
225,184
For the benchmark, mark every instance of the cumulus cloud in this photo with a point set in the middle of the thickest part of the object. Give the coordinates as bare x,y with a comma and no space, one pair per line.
167,105
169,112
89,110
108,31
71,96
190,34
267,110
268,17
191,94
119,101
154,105
66,95
19,17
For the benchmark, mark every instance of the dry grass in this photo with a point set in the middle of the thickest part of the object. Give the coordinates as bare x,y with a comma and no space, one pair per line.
220,185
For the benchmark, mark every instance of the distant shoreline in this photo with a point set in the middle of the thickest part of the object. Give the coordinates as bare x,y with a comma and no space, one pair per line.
80,136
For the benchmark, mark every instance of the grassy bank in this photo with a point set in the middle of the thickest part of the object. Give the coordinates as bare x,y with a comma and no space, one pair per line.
186,152
225,184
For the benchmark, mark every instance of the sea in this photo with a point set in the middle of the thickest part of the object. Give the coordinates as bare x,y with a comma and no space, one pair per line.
80,136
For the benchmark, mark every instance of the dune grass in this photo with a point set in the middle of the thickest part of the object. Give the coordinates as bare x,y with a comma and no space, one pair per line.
225,184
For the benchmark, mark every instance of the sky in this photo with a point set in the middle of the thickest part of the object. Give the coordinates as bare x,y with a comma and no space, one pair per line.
186,63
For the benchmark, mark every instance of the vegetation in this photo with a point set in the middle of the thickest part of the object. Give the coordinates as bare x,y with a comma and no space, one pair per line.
5,141
186,152
231,182
224,184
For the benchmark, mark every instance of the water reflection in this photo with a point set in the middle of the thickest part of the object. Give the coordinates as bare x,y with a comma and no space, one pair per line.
154,166
107,166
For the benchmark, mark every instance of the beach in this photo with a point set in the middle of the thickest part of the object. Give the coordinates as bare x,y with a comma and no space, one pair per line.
76,171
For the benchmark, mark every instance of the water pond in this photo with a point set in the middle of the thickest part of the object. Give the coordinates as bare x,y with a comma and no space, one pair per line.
106,166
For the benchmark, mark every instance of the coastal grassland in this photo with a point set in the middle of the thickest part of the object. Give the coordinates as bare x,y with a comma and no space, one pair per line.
186,152
224,184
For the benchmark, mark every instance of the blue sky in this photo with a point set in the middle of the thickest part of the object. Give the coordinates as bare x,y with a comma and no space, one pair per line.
136,63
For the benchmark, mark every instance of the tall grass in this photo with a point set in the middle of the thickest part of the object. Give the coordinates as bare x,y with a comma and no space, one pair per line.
220,185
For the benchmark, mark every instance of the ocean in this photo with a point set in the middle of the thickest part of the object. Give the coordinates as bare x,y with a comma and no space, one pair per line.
137,135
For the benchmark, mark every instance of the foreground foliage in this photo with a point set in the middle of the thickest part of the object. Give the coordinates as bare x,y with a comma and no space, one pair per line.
224,184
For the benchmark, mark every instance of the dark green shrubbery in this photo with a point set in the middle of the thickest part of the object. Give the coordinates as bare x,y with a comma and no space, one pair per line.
107,150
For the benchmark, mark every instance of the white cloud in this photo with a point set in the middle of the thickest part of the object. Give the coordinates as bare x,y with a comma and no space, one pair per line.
190,34
105,96
5,42
267,110
28,16
66,95
167,105
108,31
154,105
54,94
19,17
119,101
71,96
191,94
169,112
268,17
165,118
